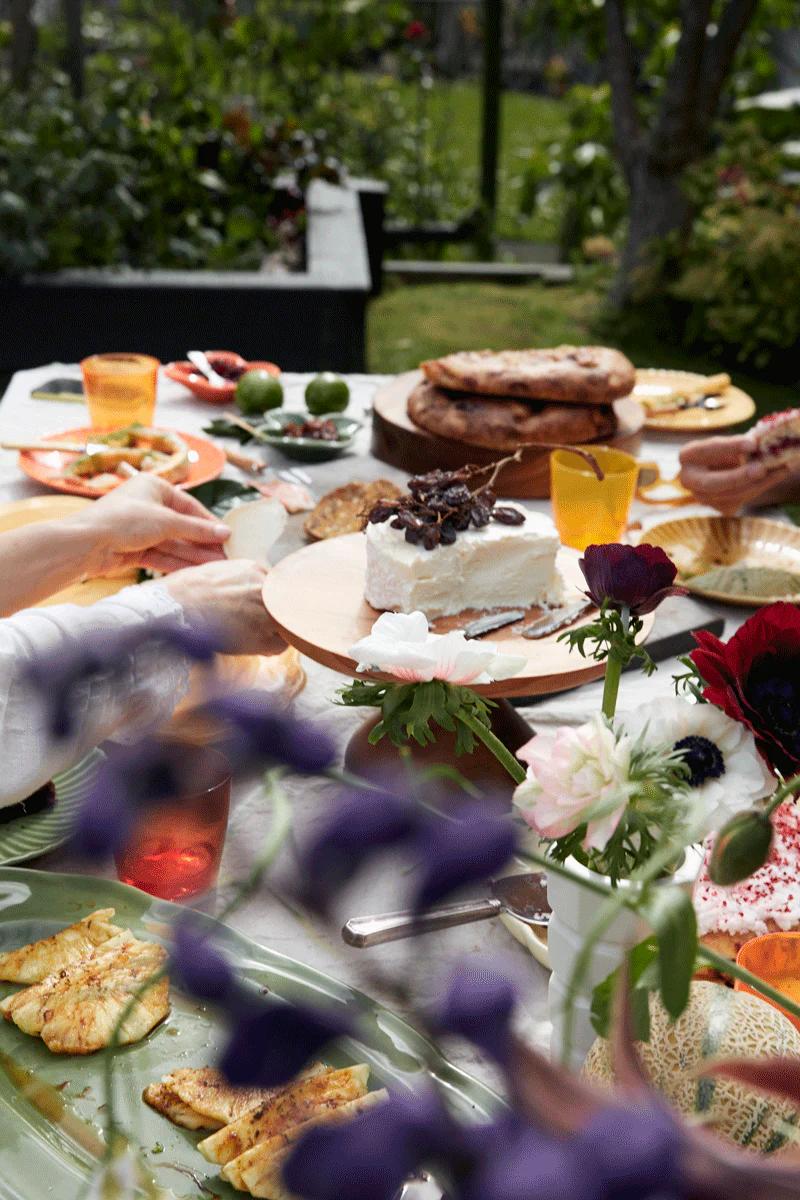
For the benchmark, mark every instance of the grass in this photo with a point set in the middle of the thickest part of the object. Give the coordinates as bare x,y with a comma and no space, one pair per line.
453,112
409,323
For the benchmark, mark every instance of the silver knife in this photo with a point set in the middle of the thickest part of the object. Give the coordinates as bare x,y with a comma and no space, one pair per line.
522,896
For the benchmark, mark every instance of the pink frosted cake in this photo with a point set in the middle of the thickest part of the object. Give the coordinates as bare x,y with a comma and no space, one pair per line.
768,901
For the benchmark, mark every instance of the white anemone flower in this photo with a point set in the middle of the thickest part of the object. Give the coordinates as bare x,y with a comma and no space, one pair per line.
401,644
727,772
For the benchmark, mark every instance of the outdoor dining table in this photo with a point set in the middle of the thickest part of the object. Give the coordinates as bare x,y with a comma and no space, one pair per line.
264,918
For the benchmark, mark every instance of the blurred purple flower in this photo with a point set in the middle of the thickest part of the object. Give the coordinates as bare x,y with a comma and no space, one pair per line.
129,778
263,734
478,1004
634,577
57,677
361,824
467,849
633,1152
514,1161
272,1042
369,1157
198,967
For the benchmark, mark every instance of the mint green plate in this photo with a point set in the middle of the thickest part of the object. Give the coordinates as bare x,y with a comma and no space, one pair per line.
38,1158
27,837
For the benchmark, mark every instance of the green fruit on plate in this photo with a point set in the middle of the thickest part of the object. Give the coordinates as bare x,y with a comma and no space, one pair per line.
327,393
258,391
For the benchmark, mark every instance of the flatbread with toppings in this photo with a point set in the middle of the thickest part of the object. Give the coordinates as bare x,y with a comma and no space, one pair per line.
154,451
202,1098
344,510
569,374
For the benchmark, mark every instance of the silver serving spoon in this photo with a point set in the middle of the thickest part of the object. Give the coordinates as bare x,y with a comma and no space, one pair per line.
199,359
522,896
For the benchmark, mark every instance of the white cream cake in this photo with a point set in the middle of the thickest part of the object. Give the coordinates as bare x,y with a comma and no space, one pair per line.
496,566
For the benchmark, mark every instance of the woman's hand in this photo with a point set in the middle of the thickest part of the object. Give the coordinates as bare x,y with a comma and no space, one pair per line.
717,472
226,596
146,522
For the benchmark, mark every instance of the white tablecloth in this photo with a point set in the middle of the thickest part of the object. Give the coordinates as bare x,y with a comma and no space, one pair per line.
264,919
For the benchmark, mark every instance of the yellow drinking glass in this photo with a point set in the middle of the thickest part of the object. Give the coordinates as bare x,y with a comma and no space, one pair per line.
120,389
587,509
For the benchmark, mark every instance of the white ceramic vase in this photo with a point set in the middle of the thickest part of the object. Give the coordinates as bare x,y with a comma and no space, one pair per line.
575,909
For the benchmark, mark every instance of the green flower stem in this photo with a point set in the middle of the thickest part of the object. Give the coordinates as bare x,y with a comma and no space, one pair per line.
614,673
786,789
726,967
278,832
492,743
557,868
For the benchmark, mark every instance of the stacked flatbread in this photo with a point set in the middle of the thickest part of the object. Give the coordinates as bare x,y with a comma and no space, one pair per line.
504,399
252,1130
81,979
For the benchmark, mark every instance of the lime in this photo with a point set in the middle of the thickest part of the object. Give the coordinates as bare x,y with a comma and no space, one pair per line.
327,393
257,391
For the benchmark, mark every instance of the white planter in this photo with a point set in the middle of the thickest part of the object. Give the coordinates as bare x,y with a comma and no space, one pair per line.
575,909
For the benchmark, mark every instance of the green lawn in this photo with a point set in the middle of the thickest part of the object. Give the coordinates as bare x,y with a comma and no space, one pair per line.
409,323
453,142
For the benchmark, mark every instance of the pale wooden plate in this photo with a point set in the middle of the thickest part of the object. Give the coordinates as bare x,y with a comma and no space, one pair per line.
738,406
18,513
698,544
316,598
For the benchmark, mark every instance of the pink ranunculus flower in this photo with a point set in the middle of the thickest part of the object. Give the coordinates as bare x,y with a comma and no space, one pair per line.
576,775
401,645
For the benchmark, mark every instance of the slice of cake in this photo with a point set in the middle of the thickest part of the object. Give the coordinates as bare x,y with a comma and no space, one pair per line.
767,902
448,546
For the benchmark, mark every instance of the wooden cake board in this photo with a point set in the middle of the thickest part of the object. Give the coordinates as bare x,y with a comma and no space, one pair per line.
316,599
398,441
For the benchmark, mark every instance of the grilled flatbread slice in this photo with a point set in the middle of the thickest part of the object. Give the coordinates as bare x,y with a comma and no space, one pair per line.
155,451
32,963
202,1098
258,1170
75,1011
577,374
299,1102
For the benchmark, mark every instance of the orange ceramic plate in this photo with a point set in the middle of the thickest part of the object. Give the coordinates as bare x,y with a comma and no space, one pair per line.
184,373
206,462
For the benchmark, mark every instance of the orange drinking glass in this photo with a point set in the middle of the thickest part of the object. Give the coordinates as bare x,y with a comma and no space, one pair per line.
120,389
586,509
174,849
775,958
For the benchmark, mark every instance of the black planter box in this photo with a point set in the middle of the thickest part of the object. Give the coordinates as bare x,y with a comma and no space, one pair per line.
310,320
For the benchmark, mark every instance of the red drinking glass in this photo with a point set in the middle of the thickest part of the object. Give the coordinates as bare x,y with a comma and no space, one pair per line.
174,849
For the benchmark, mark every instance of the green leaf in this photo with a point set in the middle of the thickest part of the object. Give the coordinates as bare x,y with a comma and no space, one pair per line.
221,495
670,912
642,978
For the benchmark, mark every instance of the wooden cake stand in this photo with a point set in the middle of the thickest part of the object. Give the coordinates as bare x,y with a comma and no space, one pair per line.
316,599
398,441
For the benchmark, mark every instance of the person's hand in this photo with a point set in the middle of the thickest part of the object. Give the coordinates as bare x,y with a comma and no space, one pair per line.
146,522
717,472
226,597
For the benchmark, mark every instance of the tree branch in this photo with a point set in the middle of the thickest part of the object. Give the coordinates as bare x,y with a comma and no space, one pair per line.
620,62
674,137
719,55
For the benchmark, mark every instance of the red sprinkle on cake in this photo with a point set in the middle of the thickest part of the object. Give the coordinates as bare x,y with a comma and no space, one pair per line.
765,903
776,437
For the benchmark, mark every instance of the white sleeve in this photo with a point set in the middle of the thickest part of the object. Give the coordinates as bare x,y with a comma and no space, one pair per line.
143,691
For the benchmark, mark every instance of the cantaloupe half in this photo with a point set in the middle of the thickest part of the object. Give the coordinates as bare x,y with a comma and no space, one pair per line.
717,1023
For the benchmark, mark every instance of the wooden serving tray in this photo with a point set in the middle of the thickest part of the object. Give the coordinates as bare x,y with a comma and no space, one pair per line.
398,441
316,598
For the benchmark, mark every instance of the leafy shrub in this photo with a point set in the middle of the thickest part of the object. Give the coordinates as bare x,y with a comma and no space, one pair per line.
737,271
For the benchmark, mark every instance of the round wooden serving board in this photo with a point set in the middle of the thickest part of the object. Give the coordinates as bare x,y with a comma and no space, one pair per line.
398,441
316,598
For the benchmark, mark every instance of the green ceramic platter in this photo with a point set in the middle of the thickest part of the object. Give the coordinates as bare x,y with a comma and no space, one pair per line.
26,837
40,1159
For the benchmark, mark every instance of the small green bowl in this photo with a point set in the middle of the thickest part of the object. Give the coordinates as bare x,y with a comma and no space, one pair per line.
307,449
